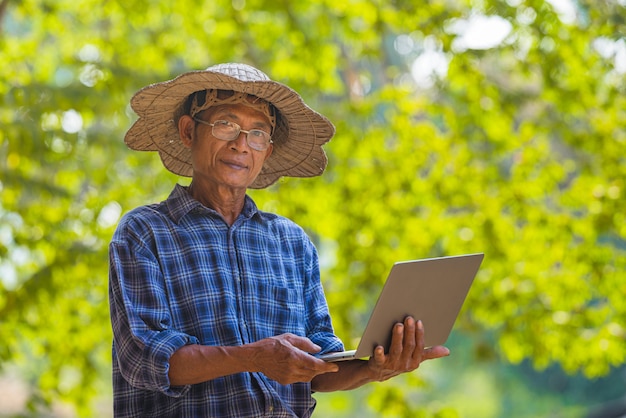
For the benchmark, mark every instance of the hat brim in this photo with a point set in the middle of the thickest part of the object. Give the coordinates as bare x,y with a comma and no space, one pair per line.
298,137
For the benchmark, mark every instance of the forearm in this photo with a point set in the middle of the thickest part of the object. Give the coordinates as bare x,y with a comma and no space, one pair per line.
351,375
284,358
197,363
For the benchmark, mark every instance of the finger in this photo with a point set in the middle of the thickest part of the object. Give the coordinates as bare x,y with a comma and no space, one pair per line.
397,337
303,343
434,352
410,337
419,341
304,366
326,367
379,355
314,365
299,373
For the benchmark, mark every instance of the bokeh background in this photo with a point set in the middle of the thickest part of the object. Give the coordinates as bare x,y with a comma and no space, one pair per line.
462,126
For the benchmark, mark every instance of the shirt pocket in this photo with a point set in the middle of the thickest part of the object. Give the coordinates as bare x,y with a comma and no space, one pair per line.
279,310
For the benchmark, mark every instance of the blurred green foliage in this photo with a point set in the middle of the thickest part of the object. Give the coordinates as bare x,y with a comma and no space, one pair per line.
515,149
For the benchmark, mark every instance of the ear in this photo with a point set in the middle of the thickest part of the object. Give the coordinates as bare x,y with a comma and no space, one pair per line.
185,130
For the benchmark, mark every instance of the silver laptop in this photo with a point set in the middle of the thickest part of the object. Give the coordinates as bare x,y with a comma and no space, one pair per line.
431,290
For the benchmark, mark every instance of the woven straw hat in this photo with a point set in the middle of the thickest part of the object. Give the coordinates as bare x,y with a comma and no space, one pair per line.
298,137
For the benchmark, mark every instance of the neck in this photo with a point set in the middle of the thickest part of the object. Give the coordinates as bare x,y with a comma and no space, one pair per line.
225,201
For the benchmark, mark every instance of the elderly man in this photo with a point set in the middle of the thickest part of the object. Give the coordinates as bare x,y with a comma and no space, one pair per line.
217,307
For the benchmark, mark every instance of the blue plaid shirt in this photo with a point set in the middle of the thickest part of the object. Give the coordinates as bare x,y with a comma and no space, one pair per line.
180,275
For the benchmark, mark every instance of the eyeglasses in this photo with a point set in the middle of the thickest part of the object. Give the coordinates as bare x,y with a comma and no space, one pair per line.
229,131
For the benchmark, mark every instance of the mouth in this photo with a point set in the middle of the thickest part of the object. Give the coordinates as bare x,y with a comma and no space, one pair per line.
235,165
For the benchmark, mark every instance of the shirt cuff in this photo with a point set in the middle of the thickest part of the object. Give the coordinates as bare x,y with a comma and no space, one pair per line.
329,342
156,355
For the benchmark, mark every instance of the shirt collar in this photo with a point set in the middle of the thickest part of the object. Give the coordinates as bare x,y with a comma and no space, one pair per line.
180,203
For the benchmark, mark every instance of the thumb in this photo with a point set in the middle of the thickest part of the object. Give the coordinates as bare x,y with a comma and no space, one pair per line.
436,352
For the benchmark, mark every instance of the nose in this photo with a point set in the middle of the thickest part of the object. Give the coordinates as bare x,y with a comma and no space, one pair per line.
240,143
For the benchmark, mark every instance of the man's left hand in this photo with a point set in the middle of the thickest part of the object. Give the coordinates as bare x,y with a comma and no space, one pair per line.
406,351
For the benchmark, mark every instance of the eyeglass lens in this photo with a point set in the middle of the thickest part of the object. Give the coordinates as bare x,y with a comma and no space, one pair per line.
228,131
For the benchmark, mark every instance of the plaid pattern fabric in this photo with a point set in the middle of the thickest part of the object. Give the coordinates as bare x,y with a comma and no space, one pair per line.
180,275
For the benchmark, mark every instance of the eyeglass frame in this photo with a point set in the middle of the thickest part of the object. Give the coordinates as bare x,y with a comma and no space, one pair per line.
212,125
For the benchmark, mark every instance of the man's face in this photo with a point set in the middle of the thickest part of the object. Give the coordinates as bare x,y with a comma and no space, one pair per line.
232,164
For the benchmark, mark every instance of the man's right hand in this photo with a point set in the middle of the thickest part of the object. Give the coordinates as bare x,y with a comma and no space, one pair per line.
287,359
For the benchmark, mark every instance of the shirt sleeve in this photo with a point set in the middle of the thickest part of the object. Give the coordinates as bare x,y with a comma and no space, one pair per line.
143,337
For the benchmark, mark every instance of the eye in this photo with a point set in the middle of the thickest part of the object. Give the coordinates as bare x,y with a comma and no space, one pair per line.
224,124
257,133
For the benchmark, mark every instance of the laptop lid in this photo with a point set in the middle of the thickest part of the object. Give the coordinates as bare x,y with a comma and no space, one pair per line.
431,290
